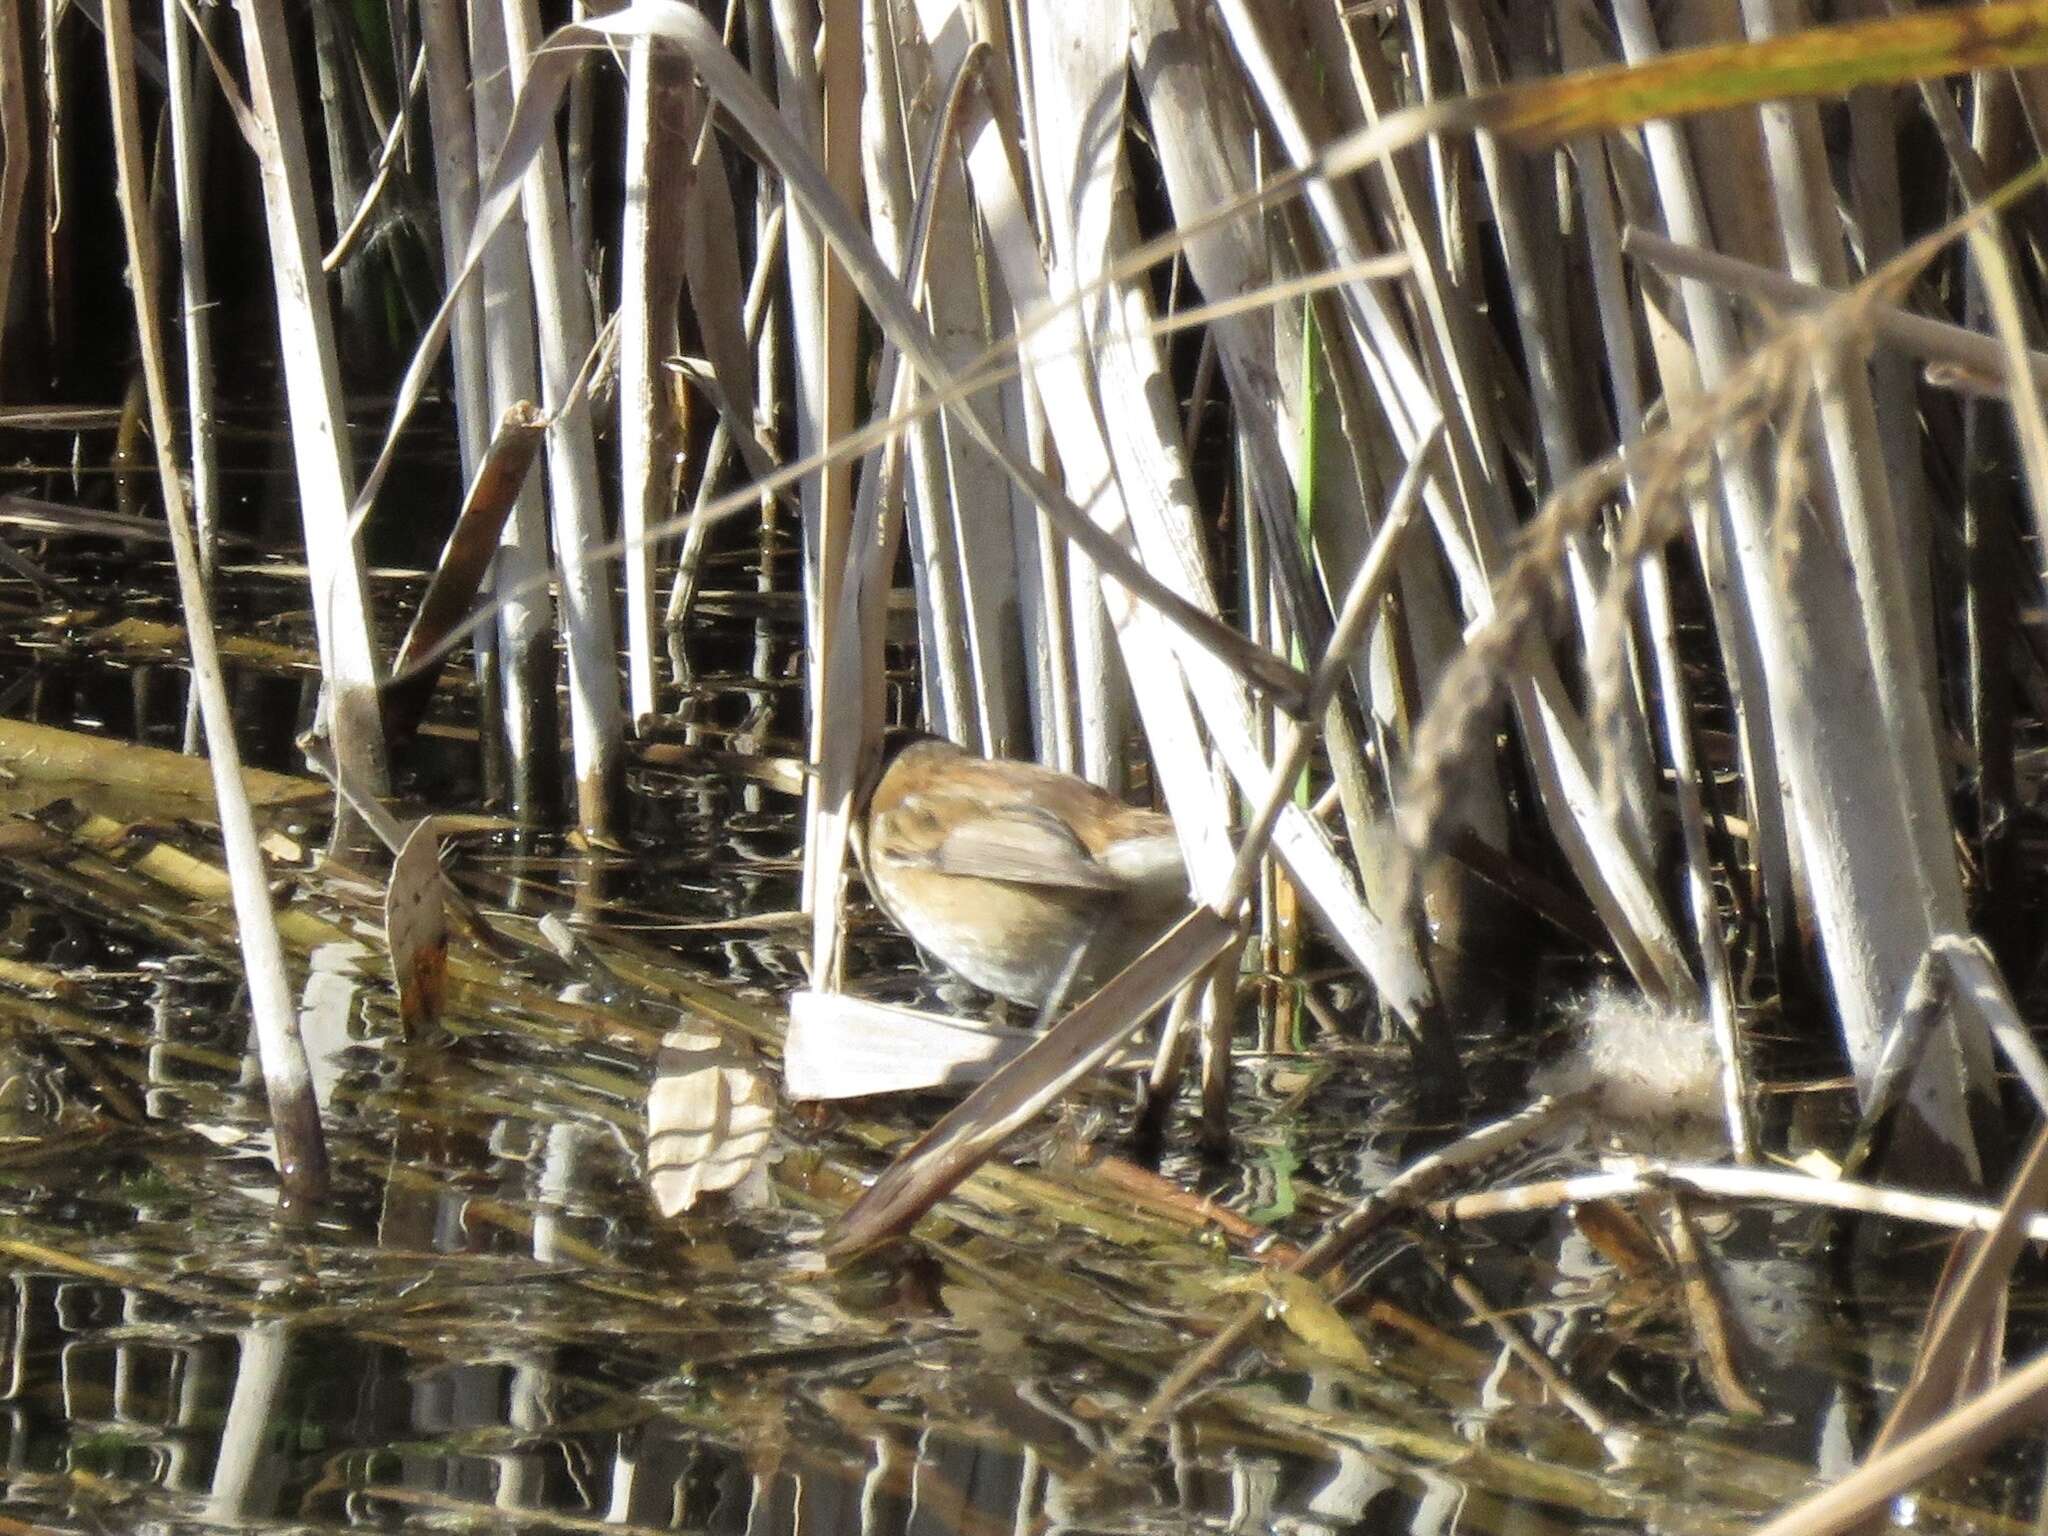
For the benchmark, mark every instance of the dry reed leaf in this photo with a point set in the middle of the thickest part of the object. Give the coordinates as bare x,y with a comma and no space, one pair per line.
416,926
1298,1304
709,1119
842,1047
459,574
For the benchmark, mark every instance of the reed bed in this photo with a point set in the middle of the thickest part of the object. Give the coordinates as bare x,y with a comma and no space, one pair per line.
1536,496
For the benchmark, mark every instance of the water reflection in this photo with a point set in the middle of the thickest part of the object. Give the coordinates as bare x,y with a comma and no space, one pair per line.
489,1327
122,1410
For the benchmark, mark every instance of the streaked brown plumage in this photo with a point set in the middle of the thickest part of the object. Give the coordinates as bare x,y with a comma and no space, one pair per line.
1030,883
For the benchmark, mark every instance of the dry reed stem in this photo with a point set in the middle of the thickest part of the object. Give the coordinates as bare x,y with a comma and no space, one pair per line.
1773,385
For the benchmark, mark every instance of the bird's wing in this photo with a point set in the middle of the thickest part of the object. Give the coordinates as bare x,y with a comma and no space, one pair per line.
1150,863
1020,844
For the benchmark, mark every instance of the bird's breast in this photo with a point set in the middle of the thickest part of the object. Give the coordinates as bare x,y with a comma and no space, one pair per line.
1012,940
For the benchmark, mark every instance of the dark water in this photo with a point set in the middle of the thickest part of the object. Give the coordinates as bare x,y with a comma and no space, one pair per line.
488,1327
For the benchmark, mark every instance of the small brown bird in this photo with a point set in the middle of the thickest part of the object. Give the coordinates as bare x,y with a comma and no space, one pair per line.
1032,884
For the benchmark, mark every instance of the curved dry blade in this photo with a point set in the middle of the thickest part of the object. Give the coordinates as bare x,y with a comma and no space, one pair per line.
1080,1042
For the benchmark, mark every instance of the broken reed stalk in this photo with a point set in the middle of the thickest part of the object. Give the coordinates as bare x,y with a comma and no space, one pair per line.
649,279
452,132
294,1113
522,606
1674,714
561,300
189,142
725,440
319,419
15,157
819,110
